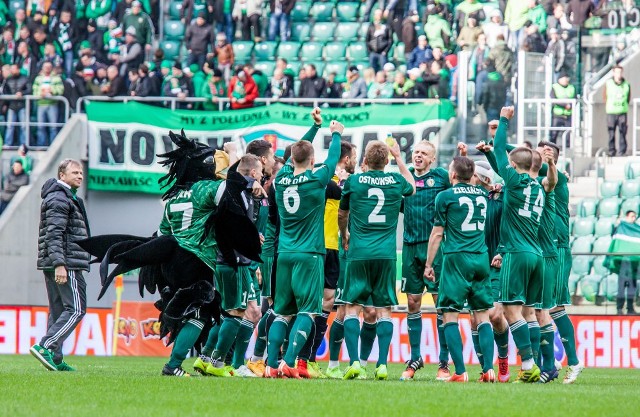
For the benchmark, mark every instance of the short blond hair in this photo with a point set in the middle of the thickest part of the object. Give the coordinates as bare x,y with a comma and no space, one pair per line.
426,144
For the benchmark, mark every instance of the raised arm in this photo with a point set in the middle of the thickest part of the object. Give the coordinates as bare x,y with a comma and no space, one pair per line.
336,129
500,141
402,168
552,173
317,123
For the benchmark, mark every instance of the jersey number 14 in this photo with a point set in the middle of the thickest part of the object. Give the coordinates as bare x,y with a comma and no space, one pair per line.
537,205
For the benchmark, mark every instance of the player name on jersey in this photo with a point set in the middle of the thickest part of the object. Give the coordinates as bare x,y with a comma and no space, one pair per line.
468,190
377,181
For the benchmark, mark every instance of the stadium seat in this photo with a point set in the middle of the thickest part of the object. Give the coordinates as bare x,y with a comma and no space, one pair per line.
573,282
398,53
288,50
335,51
362,65
347,11
175,7
300,12
357,51
311,51
601,244
322,12
265,51
173,30
340,68
362,32
266,67
632,170
242,51
609,287
323,32
171,49
347,32
582,244
295,67
609,207
632,203
587,207
15,5
610,189
630,188
581,265
300,31
604,226
598,267
589,286
584,226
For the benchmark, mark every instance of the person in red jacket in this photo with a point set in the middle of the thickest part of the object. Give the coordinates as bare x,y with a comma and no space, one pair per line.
242,90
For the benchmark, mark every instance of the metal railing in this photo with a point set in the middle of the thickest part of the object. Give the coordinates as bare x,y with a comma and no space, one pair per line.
27,124
542,128
635,125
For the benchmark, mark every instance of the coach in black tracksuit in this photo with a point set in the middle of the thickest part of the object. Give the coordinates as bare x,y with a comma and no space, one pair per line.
63,221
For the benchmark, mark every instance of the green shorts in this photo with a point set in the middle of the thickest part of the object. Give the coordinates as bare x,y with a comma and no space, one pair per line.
413,259
341,278
234,287
494,275
521,278
465,279
561,293
548,288
299,283
371,282
265,268
254,285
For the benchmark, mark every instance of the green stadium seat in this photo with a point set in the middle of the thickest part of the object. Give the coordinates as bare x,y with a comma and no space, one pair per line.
322,12
266,67
242,51
362,65
581,265
295,67
398,53
582,244
632,203
632,170
357,51
609,207
323,32
288,50
584,226
296,85
609,287
598,267
311,51
601,244
15,5
604,226
574,279
265,51
173,30
630,188
589,286
610,189
362,32
347,32
340,68
175,7
587,207
300,12
171,49
347,11
300,31
335,51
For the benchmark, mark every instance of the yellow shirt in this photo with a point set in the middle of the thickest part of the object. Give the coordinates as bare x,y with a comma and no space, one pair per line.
332,203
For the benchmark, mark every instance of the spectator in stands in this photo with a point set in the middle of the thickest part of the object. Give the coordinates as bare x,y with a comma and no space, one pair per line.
197,78
369,76
494,92
533,40
75,87
393,14
280,87
25,159
312,86
438,56
416,87
466,9
7,46
556,49
141,85
19,85
179,86
279,19
224,52
558,20
494,28
37,42
627,275
261,80
476,62
26,61
366,15
356,86
198,38
47,85
515,16
50,55
402,86
409,35
132,54
502,57
469,33
380,88
12,182
437,81
224,20
65,34
537,16
437,29
96,38
242,90
191,9
579,11
451,66
141,22
379,41
113,39
123,7
282,64
99,11
19,21
333,89
570,53
561,111
116,85
214,89
617,95
248,13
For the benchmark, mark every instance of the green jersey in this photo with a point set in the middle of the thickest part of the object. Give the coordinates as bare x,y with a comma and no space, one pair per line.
462,212
492,223
300,200
269,240
419,209
546,232
373,199
185,216
562,208
523,201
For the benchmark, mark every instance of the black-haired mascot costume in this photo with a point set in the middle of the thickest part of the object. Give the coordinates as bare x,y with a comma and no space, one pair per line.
202,216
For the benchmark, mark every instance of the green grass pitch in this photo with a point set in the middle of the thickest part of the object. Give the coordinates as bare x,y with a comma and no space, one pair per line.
130,386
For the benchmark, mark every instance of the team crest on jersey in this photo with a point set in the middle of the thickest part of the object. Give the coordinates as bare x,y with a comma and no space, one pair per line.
431,182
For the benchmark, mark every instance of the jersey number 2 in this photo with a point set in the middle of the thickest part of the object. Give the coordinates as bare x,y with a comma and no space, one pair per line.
467,226
375,216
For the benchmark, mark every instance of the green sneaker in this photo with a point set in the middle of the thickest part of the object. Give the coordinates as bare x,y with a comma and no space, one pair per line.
65,367
381,373
363,372
334,373
315,371
352,371
200,365
224,372
528,377
45,356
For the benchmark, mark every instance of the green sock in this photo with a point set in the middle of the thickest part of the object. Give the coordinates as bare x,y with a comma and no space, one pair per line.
522,339
261,340
534,334
546,347
277,333
228,333
351,336
242,343
442,340
336,336
287,336
565,328
367,336
212,339
454,342
298,338
502,342
485,339
414,328
476,346
384,330
187,337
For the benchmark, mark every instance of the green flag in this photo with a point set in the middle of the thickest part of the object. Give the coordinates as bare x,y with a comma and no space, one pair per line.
626,239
